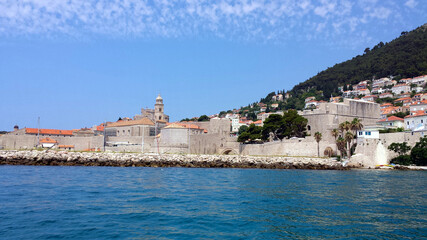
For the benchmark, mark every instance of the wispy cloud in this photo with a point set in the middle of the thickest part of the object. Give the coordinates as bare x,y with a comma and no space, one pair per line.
247,19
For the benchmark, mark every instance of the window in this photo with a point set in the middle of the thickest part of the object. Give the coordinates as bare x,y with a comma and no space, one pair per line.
360,133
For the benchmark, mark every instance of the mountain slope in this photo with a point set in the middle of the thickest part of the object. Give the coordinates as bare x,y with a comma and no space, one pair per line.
405,56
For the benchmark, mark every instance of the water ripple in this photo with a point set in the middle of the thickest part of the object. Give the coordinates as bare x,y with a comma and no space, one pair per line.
181,203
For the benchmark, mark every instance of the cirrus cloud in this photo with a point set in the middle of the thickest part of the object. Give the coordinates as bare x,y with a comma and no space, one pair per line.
244,19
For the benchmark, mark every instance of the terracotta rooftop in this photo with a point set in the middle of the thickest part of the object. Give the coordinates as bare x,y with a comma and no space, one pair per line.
47,140
183,125
66,146
49,131
143,121
417,114
391,119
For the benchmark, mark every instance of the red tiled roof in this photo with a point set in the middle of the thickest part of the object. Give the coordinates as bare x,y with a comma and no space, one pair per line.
417,114
388,110
66,146
183,125
49,131
48,140
143,121
391,118
403,99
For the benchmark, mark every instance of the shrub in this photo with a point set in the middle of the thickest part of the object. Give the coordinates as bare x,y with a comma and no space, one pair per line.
419,152
402,160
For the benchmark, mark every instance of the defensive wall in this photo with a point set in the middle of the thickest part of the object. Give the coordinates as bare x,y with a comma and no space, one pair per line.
329,115
288,147
9,141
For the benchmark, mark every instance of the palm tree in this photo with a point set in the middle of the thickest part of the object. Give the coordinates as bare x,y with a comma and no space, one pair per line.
335,133
341,127
344,126
341,146
328,152
348,138
356,125
318,137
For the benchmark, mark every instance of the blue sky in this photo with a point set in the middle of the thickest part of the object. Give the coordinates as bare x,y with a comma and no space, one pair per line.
78,63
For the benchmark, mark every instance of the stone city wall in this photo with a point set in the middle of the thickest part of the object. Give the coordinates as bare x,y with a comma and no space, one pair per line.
30,141
288,147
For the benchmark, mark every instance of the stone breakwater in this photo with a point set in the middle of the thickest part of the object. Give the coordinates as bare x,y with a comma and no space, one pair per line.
64,158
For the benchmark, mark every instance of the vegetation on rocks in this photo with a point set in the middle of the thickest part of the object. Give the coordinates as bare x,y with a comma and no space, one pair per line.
417,156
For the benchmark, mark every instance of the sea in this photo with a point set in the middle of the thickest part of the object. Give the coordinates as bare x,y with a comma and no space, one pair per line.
53,202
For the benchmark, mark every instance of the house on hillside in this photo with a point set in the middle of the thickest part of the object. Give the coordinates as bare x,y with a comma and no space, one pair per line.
400,88
386,95
417,121
392,122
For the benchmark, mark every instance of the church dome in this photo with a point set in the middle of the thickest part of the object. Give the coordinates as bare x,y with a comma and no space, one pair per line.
159,98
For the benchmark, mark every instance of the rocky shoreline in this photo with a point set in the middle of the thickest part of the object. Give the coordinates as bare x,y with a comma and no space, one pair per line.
64,158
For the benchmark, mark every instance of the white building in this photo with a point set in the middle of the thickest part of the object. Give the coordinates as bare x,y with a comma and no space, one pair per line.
398,89
392,122
418,106
369,133
417,121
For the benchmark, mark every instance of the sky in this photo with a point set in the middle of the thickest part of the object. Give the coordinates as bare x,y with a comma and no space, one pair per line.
78,63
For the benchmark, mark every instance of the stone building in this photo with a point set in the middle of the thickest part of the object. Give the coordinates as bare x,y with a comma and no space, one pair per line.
155,115
329,115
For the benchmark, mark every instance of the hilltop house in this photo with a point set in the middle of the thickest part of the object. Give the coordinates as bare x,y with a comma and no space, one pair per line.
400,88
417,121
392,122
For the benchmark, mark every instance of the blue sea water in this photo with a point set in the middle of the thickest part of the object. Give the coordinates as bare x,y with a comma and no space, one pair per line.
42,202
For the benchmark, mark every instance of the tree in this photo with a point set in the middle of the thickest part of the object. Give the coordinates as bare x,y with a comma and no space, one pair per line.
294,124
242,129
356,125
344,126
328,151
203,118
419,152
348,138
340,142
335,133
273,124
251,134
367,50
120,118
399,148
318,137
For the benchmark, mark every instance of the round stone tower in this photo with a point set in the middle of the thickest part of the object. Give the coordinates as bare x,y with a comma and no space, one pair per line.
159,109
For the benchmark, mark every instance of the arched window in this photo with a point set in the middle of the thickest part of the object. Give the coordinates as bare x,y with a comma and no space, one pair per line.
308,128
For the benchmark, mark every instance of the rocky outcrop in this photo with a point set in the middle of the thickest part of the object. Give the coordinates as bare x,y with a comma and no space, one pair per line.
64,158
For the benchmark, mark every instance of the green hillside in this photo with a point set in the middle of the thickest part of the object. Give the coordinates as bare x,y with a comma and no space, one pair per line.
404,57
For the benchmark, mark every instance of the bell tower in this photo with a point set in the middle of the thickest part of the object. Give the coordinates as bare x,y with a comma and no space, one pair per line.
159,109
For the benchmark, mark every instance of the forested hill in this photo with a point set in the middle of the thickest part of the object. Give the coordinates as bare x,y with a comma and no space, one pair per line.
404,57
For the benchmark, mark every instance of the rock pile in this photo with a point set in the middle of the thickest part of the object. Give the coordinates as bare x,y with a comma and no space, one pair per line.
64,158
